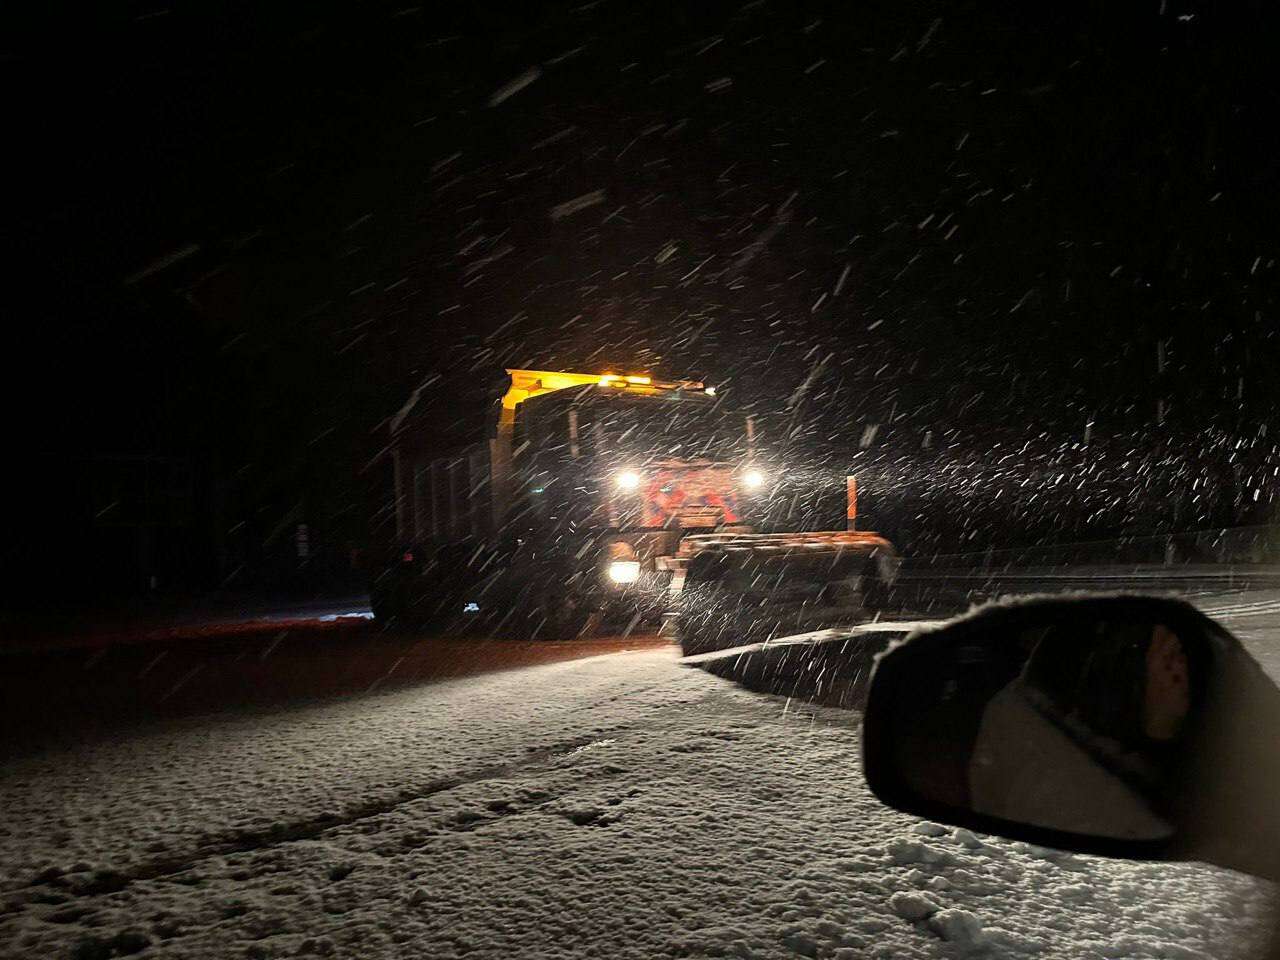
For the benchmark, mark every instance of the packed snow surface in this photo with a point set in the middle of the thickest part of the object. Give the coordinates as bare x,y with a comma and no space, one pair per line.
622,806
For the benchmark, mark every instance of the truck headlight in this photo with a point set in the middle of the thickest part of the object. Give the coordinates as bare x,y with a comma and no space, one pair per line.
753,479
624,571
628,481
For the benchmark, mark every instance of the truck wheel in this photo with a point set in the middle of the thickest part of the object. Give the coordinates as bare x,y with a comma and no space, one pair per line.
552,618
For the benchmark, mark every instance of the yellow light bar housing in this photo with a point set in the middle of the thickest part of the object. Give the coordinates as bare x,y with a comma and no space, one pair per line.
534,383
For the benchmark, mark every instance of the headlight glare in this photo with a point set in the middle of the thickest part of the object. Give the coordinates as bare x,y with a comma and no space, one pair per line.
628,481
624,571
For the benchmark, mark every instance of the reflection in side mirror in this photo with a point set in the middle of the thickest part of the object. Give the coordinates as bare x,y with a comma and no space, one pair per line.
1087,737
1071,722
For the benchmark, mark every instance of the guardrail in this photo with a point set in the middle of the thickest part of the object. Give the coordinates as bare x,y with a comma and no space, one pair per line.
1243,546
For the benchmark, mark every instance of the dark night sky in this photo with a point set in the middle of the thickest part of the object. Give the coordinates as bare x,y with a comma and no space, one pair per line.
987,214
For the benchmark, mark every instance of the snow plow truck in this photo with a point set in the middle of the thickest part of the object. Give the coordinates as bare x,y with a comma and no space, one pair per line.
601,502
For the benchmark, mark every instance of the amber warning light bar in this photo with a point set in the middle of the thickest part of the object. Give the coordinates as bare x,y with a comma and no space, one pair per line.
617,380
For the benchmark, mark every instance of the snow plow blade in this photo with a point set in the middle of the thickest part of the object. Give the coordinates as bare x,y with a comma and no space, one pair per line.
734,589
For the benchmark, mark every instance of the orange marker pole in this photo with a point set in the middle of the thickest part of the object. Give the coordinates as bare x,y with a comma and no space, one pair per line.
851,503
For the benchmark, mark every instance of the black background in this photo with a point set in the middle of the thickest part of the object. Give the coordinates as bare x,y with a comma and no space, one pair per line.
240,234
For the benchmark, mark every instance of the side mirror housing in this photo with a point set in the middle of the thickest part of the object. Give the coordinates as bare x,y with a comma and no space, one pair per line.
1121,726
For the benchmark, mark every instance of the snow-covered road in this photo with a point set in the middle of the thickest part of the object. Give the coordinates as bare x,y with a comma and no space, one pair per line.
619,806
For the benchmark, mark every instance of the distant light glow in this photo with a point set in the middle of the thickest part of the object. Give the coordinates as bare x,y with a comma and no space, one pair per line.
624,571
471,607
628,480
753,479
709,391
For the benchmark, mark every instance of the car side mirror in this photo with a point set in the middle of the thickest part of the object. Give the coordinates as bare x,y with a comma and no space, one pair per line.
1114,725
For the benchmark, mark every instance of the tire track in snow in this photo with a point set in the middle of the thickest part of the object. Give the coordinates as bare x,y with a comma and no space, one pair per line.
41,889
58,888
105,882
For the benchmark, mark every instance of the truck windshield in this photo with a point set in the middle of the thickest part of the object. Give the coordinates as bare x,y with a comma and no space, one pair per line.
664,428
637,426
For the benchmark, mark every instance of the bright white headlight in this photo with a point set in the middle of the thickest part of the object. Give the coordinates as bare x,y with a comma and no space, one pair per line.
624,571
628,480
753,479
